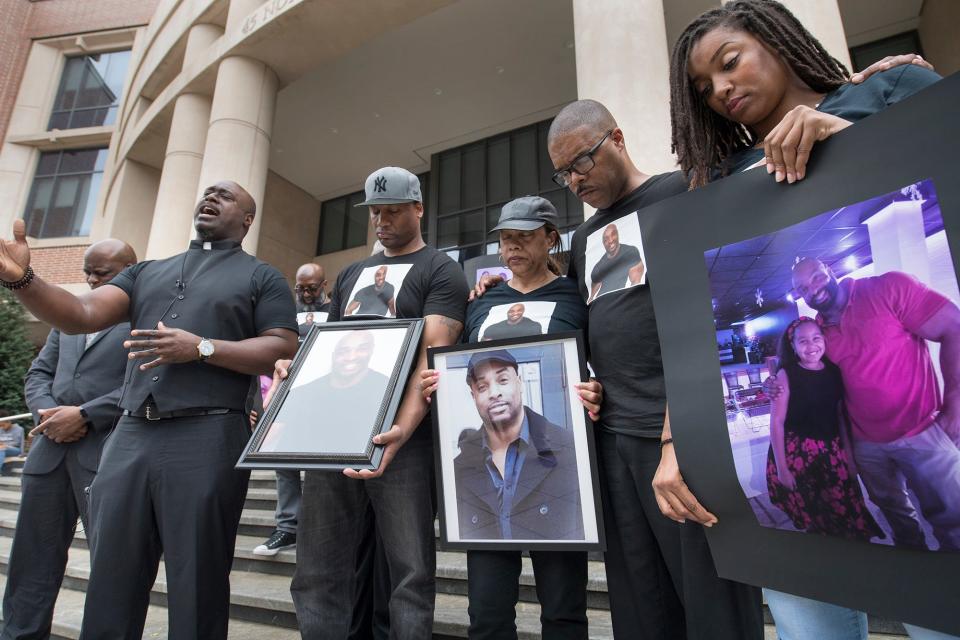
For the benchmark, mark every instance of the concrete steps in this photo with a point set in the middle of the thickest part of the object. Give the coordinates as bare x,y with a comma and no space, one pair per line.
261,605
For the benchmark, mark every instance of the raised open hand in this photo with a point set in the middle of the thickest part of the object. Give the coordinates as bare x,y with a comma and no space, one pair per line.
14,254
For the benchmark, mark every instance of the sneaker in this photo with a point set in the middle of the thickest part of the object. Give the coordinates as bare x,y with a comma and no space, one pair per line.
277,541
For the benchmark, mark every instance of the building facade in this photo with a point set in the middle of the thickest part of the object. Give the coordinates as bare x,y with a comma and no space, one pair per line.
116,113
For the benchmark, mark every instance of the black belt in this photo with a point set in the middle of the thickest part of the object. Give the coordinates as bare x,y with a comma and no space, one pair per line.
150,412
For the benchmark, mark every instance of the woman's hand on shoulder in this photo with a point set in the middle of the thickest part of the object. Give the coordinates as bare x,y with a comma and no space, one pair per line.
787,148
889,63
486,282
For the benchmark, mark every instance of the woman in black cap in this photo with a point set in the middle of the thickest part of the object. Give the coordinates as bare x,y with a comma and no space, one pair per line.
536,300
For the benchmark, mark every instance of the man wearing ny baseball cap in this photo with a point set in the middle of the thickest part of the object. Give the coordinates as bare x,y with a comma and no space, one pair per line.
431,286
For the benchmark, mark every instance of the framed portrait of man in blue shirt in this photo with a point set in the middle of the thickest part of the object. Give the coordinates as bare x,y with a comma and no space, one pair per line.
516,466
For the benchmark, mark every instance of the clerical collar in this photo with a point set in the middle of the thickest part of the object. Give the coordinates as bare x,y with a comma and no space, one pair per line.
217,245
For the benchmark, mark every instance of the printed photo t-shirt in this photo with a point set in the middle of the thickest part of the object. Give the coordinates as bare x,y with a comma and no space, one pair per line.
624,344
433,284
554,307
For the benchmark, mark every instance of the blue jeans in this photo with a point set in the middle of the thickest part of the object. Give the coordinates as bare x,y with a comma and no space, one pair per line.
8,452
288,499
333,516
799,618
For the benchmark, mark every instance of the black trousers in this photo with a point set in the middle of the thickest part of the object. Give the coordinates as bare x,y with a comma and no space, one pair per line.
493,583
167,487
371,613
661,578
49,507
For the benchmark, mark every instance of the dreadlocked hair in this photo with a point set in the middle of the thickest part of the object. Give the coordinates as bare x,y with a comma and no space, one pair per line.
702,138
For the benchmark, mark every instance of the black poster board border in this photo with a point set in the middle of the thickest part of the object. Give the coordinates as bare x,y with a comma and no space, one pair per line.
911,141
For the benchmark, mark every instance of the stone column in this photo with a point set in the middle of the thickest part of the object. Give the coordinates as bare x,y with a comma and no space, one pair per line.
623,62
172,225
238,137
822,19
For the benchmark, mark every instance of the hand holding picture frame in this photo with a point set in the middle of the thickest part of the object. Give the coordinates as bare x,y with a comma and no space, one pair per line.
867,243
344,387
516,465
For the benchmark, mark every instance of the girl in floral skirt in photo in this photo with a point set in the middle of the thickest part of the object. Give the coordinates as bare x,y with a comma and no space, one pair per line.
810,472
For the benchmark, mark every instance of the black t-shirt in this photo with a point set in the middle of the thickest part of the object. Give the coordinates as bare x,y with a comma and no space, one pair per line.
556,305
228,295
433,284
854,102
624,344
373,301
612,273
813,410
353,414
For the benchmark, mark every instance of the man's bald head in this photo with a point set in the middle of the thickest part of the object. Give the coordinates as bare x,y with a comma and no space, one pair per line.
105,259
817,285
311,281
244,199
311,271
225,212
588,151
587,114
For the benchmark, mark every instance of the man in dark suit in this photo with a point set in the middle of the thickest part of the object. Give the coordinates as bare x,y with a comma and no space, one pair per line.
73,389
516,476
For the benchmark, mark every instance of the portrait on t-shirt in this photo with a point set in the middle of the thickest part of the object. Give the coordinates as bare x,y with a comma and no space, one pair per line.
833,337
614,258
375,292
310,318
517,319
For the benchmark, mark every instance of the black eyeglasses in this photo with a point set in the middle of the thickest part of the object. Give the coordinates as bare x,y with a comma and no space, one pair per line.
312,288
582,164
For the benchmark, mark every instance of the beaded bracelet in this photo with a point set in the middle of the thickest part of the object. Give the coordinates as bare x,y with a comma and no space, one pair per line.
22,283
665,442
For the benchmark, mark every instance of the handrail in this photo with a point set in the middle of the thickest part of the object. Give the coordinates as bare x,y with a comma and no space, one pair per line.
19,416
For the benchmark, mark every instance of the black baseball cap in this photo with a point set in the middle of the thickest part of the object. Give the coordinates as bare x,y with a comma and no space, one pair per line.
526,214
500,355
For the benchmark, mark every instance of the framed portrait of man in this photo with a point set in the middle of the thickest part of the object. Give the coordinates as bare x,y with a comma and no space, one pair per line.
516,466
344,387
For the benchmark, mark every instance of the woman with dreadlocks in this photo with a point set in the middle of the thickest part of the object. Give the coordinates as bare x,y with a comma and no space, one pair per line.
749,82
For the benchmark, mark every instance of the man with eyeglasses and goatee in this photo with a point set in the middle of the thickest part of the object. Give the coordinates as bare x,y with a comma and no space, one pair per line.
312,308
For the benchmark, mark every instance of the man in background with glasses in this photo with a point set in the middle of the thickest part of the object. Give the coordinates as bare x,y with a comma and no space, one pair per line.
312,301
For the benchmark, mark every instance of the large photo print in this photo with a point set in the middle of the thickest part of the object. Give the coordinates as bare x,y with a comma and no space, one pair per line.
514,448
810,336
354,372
833,336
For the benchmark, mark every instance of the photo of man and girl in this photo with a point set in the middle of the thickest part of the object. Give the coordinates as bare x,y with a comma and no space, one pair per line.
839,345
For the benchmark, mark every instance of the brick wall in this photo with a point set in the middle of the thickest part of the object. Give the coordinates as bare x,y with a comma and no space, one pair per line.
26,20
59,265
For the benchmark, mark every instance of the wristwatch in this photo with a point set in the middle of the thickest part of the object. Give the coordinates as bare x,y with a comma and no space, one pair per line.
205,349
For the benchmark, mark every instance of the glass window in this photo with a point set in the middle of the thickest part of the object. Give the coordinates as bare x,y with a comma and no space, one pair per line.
476,180
64,193
864,55
90,90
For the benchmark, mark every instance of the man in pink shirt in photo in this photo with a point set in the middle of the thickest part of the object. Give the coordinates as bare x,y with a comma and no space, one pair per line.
905,432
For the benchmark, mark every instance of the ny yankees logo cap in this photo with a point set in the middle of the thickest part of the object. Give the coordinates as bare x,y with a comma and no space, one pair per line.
391,185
